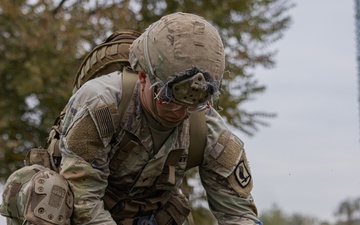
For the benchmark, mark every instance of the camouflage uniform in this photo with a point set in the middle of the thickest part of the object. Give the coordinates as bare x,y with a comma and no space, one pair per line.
93,119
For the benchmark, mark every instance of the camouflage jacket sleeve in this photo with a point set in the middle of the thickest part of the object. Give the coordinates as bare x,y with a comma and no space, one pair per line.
226,176
87,129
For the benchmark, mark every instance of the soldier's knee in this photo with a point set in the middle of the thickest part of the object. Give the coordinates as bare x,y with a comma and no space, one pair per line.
38,195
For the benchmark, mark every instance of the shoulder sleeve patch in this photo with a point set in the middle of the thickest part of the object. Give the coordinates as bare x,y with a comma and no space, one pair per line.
83,139
104,121
241,179
226,154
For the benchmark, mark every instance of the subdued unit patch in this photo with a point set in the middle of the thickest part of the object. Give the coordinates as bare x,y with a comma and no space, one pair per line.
83,139
241,179
242,175
104,121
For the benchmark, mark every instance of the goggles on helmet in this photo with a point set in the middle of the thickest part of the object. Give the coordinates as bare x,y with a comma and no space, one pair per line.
193,89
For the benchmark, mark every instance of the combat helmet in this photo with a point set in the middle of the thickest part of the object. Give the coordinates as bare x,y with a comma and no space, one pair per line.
182,54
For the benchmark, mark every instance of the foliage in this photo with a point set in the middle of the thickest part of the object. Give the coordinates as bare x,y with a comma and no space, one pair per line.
275,216
348,212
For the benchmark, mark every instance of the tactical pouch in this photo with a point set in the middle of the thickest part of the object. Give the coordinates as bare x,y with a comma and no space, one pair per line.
49,156
43,157
126,211
38,156
175,211
54,152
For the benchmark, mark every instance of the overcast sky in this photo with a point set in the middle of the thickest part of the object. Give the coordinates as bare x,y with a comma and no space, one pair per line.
308,160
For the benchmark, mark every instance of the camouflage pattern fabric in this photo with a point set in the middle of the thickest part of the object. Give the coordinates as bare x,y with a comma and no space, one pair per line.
227,182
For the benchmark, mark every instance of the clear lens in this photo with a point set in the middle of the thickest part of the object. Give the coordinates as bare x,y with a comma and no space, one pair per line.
174,106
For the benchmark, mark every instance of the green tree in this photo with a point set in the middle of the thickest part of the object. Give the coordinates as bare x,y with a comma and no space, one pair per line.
298,219
275,216
348,212
43,43
325,223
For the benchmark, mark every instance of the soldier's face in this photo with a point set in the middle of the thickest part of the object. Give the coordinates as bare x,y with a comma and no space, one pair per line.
170,112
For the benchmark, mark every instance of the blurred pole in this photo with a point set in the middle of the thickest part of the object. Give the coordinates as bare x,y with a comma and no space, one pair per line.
357,24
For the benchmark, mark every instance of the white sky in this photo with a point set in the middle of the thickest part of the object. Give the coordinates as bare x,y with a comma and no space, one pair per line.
308,160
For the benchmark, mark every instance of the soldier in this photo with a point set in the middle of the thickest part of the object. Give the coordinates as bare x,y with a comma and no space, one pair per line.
125,166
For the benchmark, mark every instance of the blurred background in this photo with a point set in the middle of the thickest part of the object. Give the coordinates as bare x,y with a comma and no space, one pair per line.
290,91
308,161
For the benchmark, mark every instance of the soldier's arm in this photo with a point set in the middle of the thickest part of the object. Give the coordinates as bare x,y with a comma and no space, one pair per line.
88,127
226,176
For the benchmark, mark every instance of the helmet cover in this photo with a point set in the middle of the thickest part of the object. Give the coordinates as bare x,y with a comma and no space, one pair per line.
184,55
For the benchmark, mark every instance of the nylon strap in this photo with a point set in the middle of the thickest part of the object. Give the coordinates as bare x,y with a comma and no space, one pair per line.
198,133
129,79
